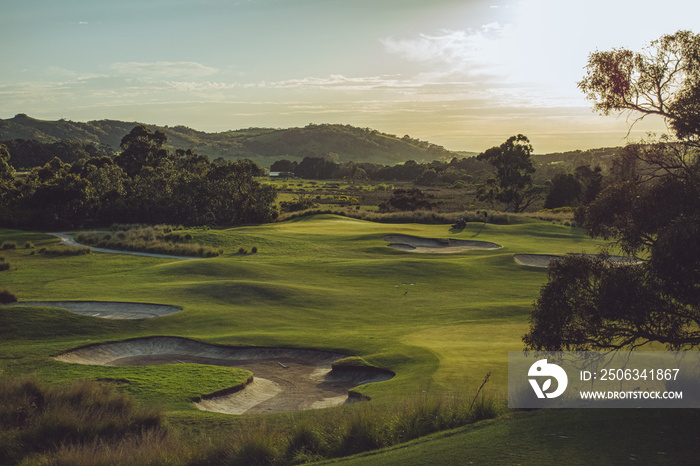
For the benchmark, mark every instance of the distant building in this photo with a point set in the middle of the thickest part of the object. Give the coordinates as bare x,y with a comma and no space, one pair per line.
281,175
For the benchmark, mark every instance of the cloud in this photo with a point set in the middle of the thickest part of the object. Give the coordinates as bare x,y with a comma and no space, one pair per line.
164,69
467,51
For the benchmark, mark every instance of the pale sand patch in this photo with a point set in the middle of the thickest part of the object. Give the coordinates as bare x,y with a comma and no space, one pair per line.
253,394
541,261
544,261
435,245
285,379
108,309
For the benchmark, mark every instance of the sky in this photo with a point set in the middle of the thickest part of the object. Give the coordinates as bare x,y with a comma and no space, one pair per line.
463,74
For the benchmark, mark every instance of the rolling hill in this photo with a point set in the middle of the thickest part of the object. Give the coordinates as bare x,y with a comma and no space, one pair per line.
342,143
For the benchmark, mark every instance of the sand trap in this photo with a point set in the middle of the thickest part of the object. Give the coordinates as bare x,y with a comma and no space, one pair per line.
285,379
108,309
543,261
435,245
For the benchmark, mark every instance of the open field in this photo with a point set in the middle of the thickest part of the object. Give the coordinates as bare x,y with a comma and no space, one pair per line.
440,322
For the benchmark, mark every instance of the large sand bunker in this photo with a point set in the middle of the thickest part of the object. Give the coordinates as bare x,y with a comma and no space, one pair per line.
543,261
284,379
108,309
435,245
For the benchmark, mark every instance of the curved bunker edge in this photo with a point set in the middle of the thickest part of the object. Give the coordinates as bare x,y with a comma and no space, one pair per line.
544,261
108,309
284,379
435,245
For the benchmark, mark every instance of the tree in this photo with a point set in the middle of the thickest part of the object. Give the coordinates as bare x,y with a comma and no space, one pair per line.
663,80
566,191
143,148
406,200
651,210
514,168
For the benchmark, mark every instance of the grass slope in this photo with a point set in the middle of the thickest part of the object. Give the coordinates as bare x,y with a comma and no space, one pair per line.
439,321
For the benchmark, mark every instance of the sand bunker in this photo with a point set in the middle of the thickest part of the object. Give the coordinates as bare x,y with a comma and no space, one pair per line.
543,261
284,379
108,309
434,245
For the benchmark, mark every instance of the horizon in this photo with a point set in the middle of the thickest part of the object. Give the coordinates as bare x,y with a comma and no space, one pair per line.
465,75
280,129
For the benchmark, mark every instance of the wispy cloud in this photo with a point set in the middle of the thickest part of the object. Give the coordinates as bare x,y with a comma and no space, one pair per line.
469,51
163,69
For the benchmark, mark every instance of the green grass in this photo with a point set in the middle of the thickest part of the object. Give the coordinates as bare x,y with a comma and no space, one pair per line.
439,321
572,437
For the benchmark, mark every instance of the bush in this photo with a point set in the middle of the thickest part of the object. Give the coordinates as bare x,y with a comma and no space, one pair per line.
158,239
65,251
4,265
35,420
9,245
28,245
7,297
254,250
242,251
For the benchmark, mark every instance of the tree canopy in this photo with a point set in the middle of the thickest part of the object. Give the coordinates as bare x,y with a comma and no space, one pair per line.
144,184
650,210
513,170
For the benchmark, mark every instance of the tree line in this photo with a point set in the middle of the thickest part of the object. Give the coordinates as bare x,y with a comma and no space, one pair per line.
145,183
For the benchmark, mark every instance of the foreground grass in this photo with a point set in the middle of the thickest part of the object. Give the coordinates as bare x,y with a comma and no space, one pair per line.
90,423
439,321
571,437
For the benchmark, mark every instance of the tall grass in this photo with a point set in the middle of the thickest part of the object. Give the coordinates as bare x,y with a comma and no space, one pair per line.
38,420
417,216
91,424
360,428
158,239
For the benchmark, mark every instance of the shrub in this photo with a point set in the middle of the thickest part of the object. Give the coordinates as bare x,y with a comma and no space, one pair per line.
242,251
9,245
65,251
6,297
35,420
28,245
4,265
158,239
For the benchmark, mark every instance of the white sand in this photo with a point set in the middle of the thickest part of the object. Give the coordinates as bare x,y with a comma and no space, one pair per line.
108,309
435,245
303,380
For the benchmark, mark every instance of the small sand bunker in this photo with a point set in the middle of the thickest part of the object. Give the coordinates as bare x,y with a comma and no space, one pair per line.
284,379
543,261
435,245
108,309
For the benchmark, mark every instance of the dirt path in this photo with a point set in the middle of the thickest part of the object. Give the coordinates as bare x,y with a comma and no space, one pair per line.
285,379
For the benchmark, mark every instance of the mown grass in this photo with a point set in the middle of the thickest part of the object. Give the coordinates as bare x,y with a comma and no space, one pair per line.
439,321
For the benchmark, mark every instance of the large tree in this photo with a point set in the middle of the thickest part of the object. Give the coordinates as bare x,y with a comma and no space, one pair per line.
514,168
651,210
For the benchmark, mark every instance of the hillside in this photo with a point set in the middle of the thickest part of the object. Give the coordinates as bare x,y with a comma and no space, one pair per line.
263,145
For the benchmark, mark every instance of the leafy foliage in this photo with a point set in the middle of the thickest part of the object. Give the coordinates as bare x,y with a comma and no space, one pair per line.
145,183
651,209
514,168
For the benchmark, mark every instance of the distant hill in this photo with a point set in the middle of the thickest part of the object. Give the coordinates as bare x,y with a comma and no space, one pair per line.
342,143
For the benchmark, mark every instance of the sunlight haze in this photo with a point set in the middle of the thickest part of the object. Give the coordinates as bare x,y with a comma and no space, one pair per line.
462,74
